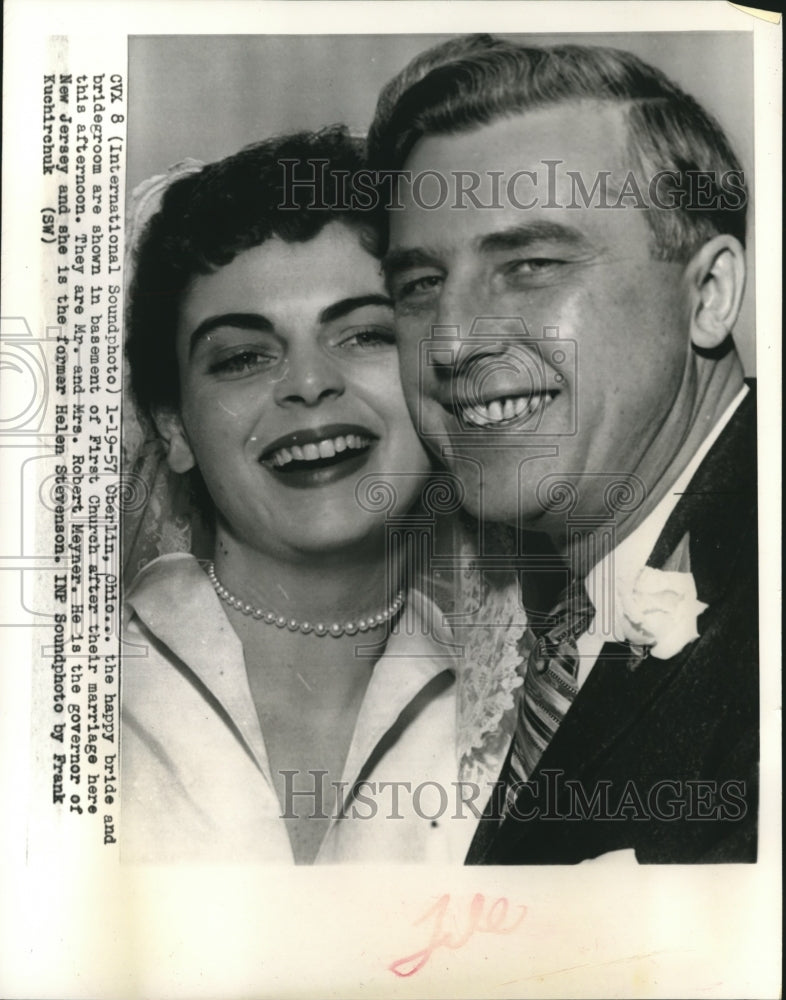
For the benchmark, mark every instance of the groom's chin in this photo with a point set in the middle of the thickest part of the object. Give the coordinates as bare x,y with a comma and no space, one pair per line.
493,502
494,489
501,501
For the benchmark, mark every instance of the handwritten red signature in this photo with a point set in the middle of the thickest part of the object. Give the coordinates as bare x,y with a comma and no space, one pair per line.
493,920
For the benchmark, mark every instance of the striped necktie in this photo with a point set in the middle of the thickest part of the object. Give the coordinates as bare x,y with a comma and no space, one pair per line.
550,684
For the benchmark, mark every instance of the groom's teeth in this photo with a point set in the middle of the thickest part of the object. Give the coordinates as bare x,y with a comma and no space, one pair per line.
504,409
312,452
474,416
495,410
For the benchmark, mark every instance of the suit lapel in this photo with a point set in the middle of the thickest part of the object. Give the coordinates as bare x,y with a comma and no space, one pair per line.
717,501
610,702
719,498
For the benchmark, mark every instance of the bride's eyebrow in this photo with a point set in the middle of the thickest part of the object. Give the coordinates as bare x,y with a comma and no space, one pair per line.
241,321
261,324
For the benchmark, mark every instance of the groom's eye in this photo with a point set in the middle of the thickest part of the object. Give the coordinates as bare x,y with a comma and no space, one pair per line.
413,289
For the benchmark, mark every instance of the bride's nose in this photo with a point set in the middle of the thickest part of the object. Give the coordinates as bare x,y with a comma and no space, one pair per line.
310,376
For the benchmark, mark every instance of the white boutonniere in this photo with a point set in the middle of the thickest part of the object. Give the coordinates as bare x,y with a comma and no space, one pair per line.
657,609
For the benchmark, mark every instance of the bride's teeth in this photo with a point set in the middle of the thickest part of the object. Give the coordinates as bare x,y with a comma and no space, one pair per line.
327,448
519,406
508,410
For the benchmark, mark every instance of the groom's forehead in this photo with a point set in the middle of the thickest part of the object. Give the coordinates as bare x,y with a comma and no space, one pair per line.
579,126
499,164
519,172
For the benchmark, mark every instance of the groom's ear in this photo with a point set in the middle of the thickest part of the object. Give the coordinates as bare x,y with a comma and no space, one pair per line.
716,280
169,425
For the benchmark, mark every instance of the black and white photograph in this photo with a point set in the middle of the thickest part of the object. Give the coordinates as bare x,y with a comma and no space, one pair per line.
559,315
392,539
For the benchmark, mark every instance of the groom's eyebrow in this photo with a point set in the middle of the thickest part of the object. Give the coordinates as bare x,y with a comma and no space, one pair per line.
524,236
400,260
519,237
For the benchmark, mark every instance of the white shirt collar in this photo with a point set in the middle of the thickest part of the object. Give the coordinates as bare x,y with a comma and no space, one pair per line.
173,592
632,553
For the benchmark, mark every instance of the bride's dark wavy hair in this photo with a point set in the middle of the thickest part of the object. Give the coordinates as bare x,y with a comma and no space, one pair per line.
208,217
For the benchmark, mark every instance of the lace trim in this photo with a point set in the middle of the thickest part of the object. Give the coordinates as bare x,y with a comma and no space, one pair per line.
491,669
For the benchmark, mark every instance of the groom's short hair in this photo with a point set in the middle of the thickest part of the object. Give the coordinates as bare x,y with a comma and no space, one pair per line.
477,79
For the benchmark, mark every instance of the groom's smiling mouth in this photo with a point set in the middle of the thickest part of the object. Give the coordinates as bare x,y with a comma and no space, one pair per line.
503,410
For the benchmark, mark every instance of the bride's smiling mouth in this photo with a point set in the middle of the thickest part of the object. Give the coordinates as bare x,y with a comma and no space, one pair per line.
316,456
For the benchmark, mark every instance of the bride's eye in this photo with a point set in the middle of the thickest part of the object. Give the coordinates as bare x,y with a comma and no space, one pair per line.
242,362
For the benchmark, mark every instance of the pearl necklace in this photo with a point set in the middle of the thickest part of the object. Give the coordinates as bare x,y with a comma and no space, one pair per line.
318,629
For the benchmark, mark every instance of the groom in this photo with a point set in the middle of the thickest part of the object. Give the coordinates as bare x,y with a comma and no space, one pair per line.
566,259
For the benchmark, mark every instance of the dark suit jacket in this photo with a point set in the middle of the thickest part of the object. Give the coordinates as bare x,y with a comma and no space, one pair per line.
664,758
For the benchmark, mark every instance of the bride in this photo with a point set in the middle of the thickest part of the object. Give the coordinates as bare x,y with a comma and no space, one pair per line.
275,706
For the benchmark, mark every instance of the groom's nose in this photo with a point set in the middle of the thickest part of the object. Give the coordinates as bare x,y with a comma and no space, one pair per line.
478,338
